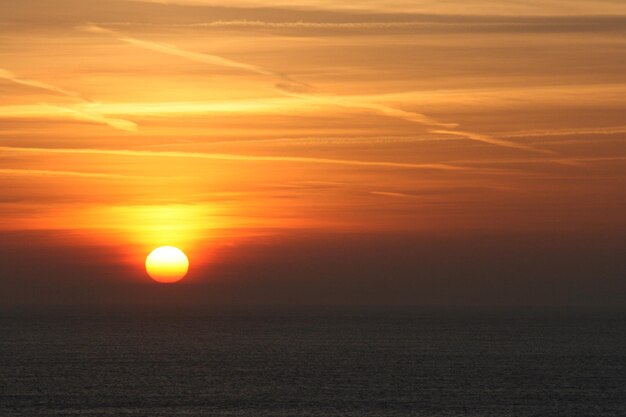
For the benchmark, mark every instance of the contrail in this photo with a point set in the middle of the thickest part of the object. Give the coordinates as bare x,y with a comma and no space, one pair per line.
277,25
193,56
610,130
491,140
234,157
425,121
302,90
9,76
46,172
120,124
363,105
392,194
576,161
50,110
292,88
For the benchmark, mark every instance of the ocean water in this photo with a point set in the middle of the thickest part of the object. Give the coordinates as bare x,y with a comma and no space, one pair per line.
281,363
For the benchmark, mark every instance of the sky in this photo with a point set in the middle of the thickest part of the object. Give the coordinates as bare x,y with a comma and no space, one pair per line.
314,152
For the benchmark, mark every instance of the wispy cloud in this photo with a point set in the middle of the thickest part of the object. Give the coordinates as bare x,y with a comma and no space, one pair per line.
425,121
60,173
609,130
423,24
392,194
491,140
474,8
80,114
290,88
92,116
436,127
193,56
9,76
88,113
376,107
574,161
303,90
274,25
235,157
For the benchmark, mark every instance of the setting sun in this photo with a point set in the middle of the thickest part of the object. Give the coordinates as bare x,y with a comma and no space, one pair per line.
167,264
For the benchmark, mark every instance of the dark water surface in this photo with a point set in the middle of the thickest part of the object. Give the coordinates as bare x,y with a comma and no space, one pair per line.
312,364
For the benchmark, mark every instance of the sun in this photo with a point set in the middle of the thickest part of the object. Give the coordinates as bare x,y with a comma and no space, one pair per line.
167,264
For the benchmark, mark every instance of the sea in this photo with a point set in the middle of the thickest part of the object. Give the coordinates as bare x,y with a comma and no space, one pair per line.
306,362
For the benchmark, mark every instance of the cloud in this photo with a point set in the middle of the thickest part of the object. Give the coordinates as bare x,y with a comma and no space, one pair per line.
55,173
376,107
392,194
52,110
609,130
96,117
423,24
193,56
299,89
88,115
290,88
491,140
9,76
235,157
474,8
426,121
574,161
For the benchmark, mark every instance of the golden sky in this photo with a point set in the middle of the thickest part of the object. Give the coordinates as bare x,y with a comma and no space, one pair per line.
134,124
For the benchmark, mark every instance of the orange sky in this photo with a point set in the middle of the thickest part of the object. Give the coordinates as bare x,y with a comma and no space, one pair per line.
131,124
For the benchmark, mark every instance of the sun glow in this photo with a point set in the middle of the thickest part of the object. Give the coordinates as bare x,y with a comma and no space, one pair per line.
167,264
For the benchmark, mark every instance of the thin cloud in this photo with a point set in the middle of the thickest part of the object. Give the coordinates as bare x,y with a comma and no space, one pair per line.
376,107
46,110
58,173
92,116
193,56
610,130
9,76
274,25
392,194
329,140
491,140
424,23
302,90
575,161
290,88
120,124
235,157
478,8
